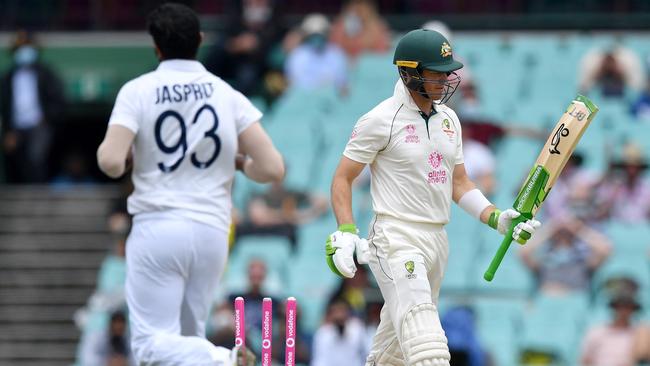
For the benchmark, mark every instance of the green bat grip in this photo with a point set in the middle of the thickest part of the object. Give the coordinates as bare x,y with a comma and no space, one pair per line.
503,248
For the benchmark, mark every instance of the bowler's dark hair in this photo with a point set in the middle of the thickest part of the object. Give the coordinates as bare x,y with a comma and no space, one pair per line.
175,30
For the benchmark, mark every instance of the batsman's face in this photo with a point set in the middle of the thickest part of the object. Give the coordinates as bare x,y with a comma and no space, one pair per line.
434,81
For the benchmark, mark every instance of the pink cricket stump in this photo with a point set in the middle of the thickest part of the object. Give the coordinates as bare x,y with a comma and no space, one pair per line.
267,330
290,323
240,324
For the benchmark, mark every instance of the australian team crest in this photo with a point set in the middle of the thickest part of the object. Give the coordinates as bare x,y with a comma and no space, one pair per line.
445,49
446,128
410,267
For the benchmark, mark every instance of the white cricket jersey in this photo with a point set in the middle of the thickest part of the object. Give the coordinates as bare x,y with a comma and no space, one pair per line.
411,160
186,122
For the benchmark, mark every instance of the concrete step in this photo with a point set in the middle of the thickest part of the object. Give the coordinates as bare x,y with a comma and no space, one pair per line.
35,332
35,313
56,241
32,362
47,277
44,296
46,351
45,192
68,224
23,207
48,260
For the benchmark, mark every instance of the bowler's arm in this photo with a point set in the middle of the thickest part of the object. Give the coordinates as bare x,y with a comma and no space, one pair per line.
345,174
114,151
461,184
264,162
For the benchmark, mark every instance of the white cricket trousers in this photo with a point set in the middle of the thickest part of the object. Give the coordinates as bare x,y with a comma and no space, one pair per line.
408,261
173,266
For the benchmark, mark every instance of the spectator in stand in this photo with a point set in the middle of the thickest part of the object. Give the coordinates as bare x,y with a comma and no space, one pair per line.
359,28
623,194
641,106
612,344
564,255
109,347
317,62
31,101
241,55
255,294
611,71
462,336
279,212
573,193
354,291
341,340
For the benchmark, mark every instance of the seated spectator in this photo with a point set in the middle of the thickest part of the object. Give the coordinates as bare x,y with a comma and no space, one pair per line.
241,55
573,193
254,295
354,291
110,347
317,63
564,254
623,193
641,106
74,172
462,338
359,28
480,164
612,344
611,71
341,339
279,212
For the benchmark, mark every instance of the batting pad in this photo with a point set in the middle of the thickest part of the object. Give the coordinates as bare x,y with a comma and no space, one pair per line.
390,356
423,340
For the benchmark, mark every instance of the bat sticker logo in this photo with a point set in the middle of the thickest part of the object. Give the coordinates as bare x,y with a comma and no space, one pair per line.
555,141
577,114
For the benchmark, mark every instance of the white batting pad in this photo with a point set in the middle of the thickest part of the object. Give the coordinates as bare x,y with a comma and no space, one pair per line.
423,340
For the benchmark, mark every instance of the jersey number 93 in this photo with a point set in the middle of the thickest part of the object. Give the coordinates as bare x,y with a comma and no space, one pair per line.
182,141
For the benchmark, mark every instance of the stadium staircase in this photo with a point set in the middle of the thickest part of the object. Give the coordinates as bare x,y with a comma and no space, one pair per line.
51,245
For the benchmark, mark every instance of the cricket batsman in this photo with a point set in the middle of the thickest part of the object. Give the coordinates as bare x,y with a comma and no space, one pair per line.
413,144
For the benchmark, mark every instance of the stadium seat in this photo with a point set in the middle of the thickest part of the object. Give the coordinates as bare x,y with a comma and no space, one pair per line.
498,322
555,324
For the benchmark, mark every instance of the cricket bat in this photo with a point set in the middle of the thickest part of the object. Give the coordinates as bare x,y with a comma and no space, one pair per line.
550,162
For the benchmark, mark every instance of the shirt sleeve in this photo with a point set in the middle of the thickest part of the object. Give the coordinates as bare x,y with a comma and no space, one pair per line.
126,111
368,137
245,112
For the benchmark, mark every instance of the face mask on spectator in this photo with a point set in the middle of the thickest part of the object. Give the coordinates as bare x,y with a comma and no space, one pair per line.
316,41
257,14
25,56
352,24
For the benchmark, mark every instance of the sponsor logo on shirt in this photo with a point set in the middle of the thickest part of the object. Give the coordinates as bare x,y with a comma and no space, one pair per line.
437,175
411,137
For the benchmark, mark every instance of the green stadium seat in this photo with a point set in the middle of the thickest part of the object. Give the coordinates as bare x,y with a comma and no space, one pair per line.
555,324
498,321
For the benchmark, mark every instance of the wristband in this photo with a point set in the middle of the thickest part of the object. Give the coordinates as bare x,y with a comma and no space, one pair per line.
493,221
348,228
474,202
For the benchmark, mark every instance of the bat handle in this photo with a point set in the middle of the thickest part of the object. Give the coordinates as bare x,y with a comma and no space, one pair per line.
503,248
498,257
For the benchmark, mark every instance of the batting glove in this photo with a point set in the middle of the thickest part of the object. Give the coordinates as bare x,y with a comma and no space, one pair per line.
340,247
523,230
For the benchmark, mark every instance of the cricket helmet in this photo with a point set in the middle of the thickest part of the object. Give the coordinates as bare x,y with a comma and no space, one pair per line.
421,50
